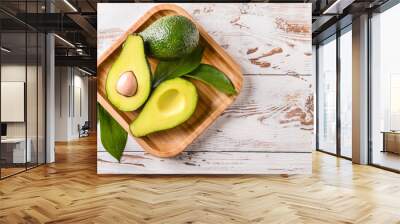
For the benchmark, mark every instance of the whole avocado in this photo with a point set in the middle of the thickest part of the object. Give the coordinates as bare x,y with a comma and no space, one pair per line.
171,37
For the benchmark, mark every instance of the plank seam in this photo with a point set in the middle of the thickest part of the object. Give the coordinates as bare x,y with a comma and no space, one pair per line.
299,152
263,74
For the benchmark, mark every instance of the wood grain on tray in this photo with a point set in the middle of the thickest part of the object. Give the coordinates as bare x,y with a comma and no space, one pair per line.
211,102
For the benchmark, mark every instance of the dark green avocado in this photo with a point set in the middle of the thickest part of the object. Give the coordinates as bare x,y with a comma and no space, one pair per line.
171,37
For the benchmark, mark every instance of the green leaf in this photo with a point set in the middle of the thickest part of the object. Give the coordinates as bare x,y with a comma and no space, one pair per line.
172,69
113,136
213,77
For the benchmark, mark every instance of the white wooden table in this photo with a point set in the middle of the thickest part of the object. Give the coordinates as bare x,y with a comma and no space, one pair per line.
269,129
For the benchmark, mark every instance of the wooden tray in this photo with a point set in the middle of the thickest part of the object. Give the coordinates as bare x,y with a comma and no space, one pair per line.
210,105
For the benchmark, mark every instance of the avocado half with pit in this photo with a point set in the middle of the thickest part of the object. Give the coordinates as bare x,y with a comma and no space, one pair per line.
128,82
171,104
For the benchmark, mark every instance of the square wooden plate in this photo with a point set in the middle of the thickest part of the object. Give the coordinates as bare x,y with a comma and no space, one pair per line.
211,102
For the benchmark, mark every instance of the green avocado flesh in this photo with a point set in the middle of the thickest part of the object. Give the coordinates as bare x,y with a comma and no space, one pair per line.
171,104
131,59
171,37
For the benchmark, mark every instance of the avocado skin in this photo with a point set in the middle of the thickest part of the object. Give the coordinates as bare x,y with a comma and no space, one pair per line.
171,37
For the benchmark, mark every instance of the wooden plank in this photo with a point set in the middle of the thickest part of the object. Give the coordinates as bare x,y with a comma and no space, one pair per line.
272,114
206,163
246,31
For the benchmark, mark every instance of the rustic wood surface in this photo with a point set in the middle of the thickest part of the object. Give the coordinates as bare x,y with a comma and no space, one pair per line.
70,191
274,112
206,163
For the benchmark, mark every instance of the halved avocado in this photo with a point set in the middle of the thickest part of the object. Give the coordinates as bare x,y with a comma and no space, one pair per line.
171,104
130,66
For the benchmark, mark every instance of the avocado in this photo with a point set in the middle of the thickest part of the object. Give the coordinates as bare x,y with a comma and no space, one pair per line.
128,82
171,104
171,37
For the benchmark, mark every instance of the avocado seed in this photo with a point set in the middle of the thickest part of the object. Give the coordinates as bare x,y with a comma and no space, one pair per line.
127,84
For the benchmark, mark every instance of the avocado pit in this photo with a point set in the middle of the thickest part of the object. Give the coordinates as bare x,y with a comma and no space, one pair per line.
127,84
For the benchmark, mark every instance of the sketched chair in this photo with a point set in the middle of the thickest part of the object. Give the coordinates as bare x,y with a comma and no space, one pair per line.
84,130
